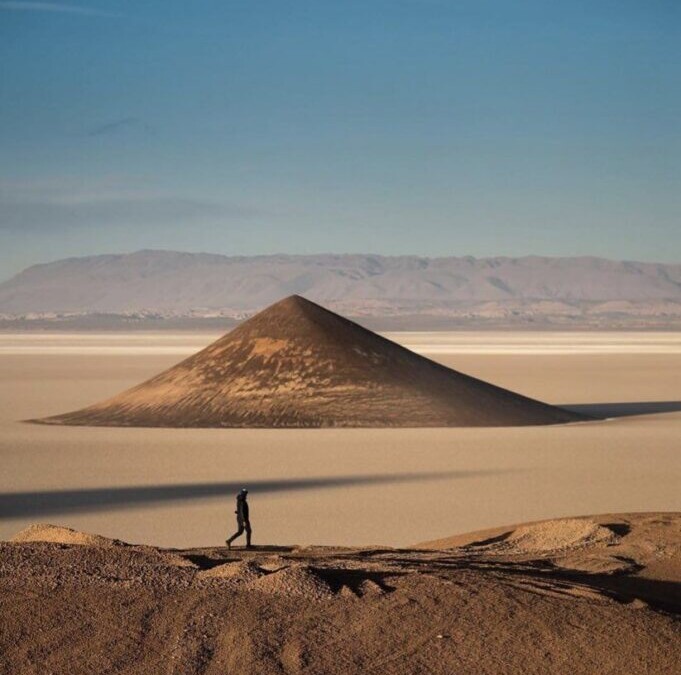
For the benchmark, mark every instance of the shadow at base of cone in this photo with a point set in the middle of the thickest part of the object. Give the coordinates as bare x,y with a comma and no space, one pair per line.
622,409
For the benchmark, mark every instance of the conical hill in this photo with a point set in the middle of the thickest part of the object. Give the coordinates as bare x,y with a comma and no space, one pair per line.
296,364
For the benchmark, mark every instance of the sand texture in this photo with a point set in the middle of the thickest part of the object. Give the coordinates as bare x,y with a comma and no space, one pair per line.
551,601
551,536
297,364
175,487
62,535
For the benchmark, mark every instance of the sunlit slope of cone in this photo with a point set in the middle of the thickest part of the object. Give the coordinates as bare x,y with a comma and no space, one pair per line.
296,364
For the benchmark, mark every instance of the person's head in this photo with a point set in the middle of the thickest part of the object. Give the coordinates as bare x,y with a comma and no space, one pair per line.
242,493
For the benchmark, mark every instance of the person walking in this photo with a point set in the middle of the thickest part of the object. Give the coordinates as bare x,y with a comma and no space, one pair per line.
242,520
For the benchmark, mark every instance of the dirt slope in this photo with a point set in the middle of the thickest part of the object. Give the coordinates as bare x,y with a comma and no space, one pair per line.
297,364
75,608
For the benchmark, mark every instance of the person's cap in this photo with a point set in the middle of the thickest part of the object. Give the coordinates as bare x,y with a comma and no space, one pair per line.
244,491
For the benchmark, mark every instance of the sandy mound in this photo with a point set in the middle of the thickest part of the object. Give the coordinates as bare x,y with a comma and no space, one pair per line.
539,537
298,581
236,572
62,535
593,563
555,535
296,364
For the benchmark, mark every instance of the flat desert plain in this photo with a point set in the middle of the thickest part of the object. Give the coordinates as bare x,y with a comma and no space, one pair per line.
175,487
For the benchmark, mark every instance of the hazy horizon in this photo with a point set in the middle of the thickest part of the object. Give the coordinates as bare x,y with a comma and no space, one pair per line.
321,253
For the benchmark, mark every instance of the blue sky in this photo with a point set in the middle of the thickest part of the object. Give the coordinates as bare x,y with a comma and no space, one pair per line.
432,127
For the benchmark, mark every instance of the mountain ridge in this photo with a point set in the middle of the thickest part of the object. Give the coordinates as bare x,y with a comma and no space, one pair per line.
176,283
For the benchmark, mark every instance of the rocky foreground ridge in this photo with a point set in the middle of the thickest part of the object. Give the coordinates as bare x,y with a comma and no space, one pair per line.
569,596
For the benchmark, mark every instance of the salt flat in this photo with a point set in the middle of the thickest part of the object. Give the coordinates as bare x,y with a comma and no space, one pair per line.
390,486
424,342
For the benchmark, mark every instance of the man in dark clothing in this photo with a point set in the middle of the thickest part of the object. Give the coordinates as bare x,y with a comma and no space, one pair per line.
242,521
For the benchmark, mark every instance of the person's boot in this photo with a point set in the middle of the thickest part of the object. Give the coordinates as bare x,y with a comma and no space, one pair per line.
229,544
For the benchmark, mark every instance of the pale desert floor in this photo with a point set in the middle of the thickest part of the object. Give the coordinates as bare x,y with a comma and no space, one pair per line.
361,487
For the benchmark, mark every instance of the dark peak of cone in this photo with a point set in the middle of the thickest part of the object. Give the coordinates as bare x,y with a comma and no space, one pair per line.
294,316
294,306
295,302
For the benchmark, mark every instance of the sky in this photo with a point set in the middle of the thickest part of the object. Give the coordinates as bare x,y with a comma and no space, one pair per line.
427,127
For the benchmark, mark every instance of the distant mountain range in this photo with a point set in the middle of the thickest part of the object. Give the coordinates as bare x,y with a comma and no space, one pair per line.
155,285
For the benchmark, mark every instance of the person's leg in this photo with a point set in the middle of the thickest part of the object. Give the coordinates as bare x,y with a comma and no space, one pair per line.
238,533
247,526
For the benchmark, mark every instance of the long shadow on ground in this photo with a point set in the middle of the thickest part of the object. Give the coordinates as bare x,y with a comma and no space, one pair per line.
28,504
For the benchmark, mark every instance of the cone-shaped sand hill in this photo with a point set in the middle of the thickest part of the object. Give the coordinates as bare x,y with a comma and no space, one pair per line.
296,364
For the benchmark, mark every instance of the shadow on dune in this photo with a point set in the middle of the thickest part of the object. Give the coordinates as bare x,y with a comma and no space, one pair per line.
29,504
605,410
624,587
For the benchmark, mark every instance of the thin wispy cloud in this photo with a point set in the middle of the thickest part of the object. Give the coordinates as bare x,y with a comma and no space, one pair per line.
55,7
118,126
158,212
165,212
60,205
